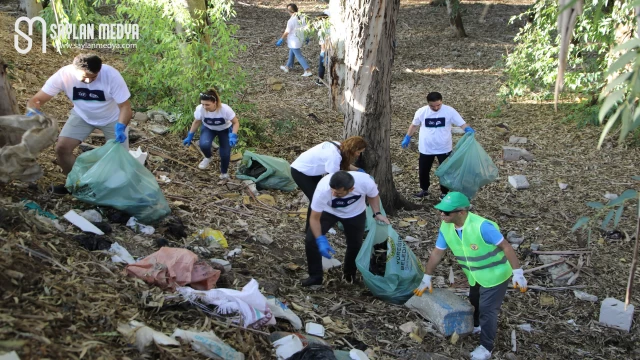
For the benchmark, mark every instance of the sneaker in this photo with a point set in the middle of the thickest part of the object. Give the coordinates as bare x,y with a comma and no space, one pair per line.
204,163
312,282
422,194
284,68
480,353
224,176
307,74
476,330
319,83
59,190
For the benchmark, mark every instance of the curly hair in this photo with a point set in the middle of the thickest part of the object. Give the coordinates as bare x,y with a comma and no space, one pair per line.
348,150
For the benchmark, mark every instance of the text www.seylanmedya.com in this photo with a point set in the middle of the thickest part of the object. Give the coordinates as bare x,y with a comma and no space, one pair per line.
98,46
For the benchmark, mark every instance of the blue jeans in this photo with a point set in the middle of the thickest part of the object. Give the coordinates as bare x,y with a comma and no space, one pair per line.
298,55
206,139
321,66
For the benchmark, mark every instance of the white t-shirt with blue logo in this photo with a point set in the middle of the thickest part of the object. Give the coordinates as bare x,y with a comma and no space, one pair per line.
435,129
490,234
349,206
217,120
321,159
96,102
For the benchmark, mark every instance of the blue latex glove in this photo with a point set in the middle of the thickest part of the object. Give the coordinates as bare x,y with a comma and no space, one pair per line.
279,42
468,129
189,138
323,245
120,135
406,141
362,171
32,112
233,139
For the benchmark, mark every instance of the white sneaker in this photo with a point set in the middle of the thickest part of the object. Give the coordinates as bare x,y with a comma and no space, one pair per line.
476,330
480,353
224,176
307,74
284,68
204,163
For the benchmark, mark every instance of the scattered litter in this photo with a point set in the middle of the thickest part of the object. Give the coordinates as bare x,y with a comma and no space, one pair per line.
306,339
514,238
93,242
314,329
120,254
287,346
251,185
91,215
281,310
585,296
410,239
118,217
525,327
140,228
30,205
249,302
546,300
535,247
514,343
233,253
447,311
356,354
171,267
159,129
330,263
139,155
452,279
563,186
164,179
519,182
454,338
141,336
614,314
408,327
214,238
208,344
264,238
82,223
332,231
104,227
572,322
315,352
224,263
610,196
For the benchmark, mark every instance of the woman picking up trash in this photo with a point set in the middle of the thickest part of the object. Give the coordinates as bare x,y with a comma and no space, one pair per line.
219,120
325,158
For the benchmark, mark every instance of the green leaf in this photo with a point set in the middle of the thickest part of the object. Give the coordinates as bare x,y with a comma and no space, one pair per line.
611,100
615,82
636,177
609,125
616,220
580,223
607,219
635,42
595,205
621,62
627,194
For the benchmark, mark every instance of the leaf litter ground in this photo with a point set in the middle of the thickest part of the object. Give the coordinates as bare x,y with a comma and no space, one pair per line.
61,301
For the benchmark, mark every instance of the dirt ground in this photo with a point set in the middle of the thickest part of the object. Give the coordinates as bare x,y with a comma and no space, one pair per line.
60,301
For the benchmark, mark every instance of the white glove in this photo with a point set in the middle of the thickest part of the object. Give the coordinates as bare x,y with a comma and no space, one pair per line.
424,284
518,280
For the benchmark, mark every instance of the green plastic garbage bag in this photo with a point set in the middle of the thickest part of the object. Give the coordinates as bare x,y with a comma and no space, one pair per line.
110,176
266,171
468,169
402,270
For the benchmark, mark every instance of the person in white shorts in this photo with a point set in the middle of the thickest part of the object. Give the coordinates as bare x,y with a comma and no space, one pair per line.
100,101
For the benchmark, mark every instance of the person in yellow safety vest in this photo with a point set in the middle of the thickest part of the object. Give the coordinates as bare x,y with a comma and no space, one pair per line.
485,257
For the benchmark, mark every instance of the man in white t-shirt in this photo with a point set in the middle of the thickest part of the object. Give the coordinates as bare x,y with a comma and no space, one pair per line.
434,139
294,34
100,101
339,197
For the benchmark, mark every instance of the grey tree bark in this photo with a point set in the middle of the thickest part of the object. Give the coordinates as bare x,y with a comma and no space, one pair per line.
32,7
8,103
455,17
360,60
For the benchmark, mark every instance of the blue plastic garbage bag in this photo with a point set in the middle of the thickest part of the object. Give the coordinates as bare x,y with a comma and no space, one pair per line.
468,169
402,270
110,176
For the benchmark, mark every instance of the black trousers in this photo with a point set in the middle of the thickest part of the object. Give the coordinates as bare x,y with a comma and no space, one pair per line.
424,165
308,185
487,303
353,231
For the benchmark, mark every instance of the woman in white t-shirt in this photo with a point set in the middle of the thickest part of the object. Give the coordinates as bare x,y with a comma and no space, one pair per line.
294,34
325,158
218,120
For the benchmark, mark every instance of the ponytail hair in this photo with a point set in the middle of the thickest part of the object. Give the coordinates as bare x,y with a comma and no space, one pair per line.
210,94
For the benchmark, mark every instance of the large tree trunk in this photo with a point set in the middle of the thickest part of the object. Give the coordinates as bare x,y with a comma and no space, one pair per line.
32,7
8,103
360,62
455,18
